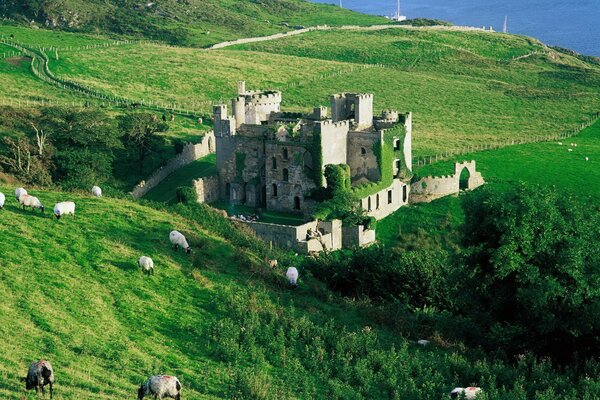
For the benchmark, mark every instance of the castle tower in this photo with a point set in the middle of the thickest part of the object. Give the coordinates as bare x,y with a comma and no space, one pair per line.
238,106
339,107
241,88
363,111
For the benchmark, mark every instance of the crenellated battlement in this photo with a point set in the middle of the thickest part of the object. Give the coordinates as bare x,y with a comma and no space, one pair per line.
336,124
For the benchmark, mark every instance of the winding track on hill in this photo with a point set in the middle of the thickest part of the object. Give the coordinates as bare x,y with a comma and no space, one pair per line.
40,68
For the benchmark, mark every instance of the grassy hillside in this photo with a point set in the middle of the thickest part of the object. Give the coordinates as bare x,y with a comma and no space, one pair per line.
546,164
221,321
190,22
463,87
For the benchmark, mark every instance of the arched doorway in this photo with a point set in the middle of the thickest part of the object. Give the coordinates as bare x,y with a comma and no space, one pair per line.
463,182
296,203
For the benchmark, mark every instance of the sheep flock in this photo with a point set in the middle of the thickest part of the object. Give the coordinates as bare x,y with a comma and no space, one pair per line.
41,373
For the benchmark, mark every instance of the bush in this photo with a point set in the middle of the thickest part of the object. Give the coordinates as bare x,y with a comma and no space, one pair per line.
531,271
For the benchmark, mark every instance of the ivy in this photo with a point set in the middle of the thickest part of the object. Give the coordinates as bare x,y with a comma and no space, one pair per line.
385,154
240,165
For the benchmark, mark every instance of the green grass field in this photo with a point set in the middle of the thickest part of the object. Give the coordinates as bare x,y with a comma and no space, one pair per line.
461,86
166,190
546,164
73,294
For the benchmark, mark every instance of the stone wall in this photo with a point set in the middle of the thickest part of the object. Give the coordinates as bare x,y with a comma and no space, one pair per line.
207,189
434,187
357,236
388,200
191,152
295,237
334,141
361,158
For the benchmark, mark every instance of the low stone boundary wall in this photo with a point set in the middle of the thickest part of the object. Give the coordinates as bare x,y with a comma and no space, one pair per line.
191,152
434,187
207,189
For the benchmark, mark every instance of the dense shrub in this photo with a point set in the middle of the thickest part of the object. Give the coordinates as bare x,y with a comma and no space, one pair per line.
532,271
416,278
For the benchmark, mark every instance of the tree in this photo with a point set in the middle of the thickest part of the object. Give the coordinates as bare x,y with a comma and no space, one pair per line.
532,271
140,132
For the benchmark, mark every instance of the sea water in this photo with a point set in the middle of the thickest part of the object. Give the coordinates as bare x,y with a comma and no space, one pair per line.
574,24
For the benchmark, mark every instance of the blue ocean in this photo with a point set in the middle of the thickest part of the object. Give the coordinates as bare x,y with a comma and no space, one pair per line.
574,24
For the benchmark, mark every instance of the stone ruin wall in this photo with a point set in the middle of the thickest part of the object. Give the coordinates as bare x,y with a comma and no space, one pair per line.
334,236
400,194
191,152
363,165
434,187
298,184
207,189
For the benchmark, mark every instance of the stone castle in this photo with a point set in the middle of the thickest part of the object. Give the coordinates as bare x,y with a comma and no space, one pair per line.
272,160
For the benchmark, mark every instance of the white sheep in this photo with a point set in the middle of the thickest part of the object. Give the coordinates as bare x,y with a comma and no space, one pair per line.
161,386
587,159
570,150
292,275
20,192
64,208
2,200
146,264
560,143
96,191
273,264
31,201
468,393
39,375
178,240
423,342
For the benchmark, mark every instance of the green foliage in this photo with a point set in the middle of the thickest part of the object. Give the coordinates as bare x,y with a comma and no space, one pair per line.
531,270
385,154
424,22
240,165
186,195
416,279
140,134
337,200
68,146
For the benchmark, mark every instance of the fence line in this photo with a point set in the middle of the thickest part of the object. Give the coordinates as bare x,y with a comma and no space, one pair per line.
427,160
40,68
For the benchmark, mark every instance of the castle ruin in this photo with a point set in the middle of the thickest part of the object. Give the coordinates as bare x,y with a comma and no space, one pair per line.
272,160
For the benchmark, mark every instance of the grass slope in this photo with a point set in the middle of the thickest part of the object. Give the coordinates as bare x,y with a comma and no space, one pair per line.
546,164
166,191
463,87
193,22
222,321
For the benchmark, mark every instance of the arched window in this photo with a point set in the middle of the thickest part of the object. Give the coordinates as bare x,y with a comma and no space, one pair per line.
363,151
396,144
465,175
369,204
286,175
274,163
377,202
285,153
274,190
296,203
390,196
404,194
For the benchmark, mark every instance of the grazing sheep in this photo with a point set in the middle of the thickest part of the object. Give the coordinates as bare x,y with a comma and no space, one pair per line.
147,265
64,208
569,150
560,143
468,393
423,342
39,375
31,201
20,192
96,191
2,200
161,386
292,275
178,240
273,264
